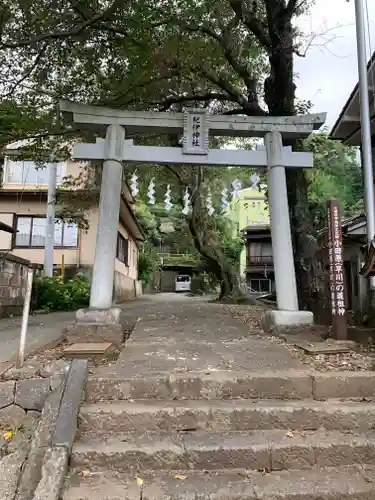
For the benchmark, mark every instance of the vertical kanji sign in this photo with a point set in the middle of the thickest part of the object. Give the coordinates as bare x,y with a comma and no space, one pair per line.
336,271
195,132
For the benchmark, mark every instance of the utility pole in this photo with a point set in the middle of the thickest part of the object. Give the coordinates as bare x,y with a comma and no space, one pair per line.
50,217
366,146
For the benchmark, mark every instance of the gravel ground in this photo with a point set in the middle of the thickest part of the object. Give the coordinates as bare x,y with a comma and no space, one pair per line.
361,359
252,315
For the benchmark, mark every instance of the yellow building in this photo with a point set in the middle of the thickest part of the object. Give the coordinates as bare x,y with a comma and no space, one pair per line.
23,200
249,209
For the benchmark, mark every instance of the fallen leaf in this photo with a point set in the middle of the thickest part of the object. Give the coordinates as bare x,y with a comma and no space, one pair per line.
8,435
86,473
264,471
180,477
140,481
289,434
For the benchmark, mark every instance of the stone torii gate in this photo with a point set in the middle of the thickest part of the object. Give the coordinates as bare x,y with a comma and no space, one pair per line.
196,126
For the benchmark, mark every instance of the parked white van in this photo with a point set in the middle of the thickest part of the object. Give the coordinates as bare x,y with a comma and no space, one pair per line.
183,283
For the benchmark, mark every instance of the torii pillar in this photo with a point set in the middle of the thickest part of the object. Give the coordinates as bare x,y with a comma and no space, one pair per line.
287,313
101,316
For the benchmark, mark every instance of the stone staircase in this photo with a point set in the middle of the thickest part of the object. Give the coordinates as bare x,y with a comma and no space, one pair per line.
226,436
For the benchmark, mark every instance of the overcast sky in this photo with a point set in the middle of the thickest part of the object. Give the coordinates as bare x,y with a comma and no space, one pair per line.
328,73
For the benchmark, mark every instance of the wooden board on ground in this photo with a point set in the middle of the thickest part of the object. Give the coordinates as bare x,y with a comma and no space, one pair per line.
327,347
87,349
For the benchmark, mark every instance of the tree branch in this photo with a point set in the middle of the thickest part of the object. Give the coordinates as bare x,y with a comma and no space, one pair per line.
303,44
240,68
118,31
250,108
209,96
59,34
257,27
176,174
43,135
27,73
238,111
104,27
292,7
118,99
75,6
234,60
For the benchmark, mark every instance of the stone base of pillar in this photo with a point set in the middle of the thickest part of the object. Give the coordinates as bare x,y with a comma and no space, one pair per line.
85,333
98,325
93,316
281,319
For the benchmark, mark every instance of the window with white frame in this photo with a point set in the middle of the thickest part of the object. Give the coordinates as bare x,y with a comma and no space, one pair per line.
31,233
28,173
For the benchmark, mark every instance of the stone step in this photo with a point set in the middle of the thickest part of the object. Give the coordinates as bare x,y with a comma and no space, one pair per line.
238,415
342,483
285,385
257,450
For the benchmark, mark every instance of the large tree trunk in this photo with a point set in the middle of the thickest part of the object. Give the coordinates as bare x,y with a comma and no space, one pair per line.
205,241
208,246
279,91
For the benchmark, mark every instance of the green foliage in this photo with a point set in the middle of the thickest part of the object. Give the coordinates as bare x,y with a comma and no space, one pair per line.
147,48
231,243
201,284
55,294
19,120
336,175
148,262
180,259
167,232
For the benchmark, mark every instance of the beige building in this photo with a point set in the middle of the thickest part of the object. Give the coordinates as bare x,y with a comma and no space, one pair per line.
23,199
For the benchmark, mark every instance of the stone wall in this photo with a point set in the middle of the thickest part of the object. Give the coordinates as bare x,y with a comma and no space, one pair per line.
123,288
38,422
138,288
13,272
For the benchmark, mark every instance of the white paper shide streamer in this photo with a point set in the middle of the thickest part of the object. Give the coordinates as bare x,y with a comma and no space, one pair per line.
226,194
168,199
185,209
255,179
210,208
151,192
236,187
134,185
224,201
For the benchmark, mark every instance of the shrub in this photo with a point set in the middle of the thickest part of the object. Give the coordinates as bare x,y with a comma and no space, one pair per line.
148,261
55,294
201,284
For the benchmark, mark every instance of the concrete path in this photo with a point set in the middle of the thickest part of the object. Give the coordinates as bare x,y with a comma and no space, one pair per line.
173,333
178,333
43,329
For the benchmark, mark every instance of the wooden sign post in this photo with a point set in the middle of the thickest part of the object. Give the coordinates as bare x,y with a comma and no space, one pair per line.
336,271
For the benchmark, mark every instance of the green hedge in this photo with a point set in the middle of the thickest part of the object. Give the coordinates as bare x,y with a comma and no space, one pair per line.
55,294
